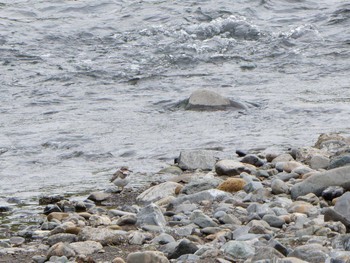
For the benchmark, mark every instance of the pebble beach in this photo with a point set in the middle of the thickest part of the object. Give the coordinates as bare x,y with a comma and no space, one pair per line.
285,207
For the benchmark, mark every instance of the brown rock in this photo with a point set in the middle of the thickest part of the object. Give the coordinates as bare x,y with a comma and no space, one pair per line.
232,185
57,215
85,215
73,230
118,260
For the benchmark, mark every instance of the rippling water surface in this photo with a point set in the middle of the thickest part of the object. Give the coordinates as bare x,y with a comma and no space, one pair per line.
86,85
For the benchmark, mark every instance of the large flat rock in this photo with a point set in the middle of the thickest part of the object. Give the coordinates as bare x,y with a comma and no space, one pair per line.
318,182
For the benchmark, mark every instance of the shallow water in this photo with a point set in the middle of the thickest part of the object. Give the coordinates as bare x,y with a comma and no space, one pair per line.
86,86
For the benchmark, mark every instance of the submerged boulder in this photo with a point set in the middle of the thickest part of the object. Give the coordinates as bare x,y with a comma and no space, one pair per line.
203,100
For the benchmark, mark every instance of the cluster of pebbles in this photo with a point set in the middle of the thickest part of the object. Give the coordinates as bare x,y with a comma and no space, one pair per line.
256,207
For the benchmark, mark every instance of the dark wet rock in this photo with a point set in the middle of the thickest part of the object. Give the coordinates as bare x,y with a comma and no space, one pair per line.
241,153
232,168
313,253
184,247
318,182
279,247
339,161
50,199
147,257
151,215
253,160
274,221
204,100
197,159
332,192
52,208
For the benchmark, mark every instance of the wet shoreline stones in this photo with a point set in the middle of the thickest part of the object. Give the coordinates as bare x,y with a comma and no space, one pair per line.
281,207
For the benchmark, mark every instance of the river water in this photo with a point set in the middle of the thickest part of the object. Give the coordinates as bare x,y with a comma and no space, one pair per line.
88,85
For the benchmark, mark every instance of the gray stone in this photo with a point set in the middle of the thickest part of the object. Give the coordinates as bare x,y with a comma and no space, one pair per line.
17,241
61,249
318,182
137,238
62,237
279,187
158,192
309,198
151,215
229,219
185,208
290,260
86,247
240,231
238,250
209,195
39,259
252,186
185,230
253,160
127,220
98,197
339,161
147,257
232,168
319,162
285,177
203,99
189,258
104,235
197,159
56,259
342,206
199,185
202,220
184,247
313,253
274,221
285,157
268,253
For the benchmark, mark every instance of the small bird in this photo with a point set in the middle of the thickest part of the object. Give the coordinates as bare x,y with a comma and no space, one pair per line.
120,179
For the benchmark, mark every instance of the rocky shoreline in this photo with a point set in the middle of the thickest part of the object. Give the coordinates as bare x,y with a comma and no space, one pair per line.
262,207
